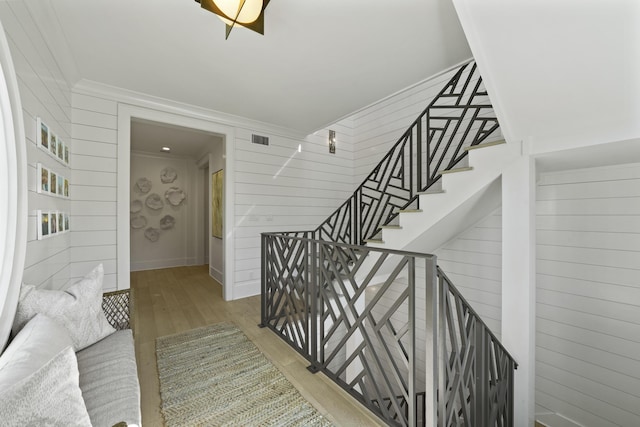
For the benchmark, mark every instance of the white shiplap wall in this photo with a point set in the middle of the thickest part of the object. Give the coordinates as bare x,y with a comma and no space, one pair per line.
473,262
288,185
588,295
44,93
93,189
293,183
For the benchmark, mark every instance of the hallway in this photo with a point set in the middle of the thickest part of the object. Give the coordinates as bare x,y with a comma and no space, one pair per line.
177,299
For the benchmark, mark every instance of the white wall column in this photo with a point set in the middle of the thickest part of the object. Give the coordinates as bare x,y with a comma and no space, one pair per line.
518,281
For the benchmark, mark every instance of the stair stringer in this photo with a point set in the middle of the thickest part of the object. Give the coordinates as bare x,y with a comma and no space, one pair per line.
468,196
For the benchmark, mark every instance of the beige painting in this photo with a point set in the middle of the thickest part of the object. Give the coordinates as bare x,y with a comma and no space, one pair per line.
217,205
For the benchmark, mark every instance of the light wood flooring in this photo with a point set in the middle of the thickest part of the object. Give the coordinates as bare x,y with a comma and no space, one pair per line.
173,300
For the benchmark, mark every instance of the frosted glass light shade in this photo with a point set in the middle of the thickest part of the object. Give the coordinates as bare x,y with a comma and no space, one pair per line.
250,10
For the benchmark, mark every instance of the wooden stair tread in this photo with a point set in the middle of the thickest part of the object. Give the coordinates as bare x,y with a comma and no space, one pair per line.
486,144
456,170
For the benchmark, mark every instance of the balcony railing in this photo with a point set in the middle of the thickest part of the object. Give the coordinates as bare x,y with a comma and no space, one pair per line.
390,328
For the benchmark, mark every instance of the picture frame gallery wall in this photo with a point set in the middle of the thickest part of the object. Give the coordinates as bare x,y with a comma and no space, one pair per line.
51,182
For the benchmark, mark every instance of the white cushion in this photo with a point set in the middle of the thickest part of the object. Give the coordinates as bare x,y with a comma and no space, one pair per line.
39,379
32,348
78,309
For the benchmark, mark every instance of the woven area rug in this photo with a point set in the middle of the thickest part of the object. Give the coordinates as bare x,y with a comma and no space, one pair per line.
215,376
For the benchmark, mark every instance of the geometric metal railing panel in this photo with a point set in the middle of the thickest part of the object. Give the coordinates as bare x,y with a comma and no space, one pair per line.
397,335
475,372
460,116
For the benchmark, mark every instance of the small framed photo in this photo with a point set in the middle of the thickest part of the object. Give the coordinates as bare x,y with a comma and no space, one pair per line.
66,154
61,222
43,228
53,223
42,134
53,144
53,182
60,150
43,179
60,188
66,188
66,221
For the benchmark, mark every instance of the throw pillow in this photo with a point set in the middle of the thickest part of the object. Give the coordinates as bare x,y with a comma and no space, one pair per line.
50,396
39,379
78,309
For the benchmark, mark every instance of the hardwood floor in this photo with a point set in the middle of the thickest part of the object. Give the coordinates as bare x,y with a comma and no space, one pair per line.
173,300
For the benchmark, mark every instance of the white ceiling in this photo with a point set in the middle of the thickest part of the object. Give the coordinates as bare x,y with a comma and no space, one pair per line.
150,137
317,62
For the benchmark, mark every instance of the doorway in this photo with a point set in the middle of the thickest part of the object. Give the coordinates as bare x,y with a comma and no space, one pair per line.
128,114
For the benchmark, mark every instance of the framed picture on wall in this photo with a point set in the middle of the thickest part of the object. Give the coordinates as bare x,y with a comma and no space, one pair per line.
43,225
53,182
43,178
60,188
60,150
53,144
42,134
217,201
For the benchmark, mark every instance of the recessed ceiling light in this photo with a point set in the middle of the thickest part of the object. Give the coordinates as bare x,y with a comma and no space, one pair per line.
167,149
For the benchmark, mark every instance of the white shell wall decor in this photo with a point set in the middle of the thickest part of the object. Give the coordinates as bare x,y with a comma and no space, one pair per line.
136,206
138,221
154,201
143,185
167,222
152,234
175,196
168,175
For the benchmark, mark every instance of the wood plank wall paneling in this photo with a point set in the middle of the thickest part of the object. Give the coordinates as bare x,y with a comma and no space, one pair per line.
286,186
44,93
289,184
473,262
94,187
588,295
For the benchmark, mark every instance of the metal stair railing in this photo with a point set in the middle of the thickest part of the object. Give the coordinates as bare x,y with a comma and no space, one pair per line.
460,116
399,337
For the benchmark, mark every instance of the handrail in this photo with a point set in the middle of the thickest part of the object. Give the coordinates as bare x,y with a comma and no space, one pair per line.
360,328
432,143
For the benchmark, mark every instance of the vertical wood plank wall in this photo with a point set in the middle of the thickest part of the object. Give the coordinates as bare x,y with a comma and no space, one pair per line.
46,94
588,295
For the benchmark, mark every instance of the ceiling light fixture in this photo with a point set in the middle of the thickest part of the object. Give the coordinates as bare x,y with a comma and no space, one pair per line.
166,149
243,13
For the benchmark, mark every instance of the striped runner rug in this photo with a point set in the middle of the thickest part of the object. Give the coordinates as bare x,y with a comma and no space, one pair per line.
215,376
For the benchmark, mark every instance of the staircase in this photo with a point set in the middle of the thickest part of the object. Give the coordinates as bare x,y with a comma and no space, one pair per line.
364,302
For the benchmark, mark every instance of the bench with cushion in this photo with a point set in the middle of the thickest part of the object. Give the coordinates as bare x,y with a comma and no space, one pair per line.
67,364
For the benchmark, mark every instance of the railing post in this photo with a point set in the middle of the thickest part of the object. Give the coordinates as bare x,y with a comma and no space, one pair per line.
263,281
431,308
481,393
419,156
411,401
313,297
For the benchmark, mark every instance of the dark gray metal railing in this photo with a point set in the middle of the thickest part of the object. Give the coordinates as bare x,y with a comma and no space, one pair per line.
460,116
390,328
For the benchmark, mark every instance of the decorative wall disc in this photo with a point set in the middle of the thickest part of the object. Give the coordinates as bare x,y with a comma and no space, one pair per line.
154,201
138,221
152,234
167,222
136,206
175,196
143,185
168,175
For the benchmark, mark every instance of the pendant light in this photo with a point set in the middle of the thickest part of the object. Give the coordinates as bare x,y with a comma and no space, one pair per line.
244,13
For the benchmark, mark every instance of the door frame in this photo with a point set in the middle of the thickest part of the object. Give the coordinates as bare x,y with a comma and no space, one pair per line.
127,113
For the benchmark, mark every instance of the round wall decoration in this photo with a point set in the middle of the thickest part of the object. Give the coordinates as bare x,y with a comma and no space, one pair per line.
152,234
168,175
175,196
138,221
136,206
154,201
143,185
167,222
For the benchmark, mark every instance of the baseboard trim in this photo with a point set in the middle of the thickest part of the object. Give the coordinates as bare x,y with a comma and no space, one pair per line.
162,263
246,289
